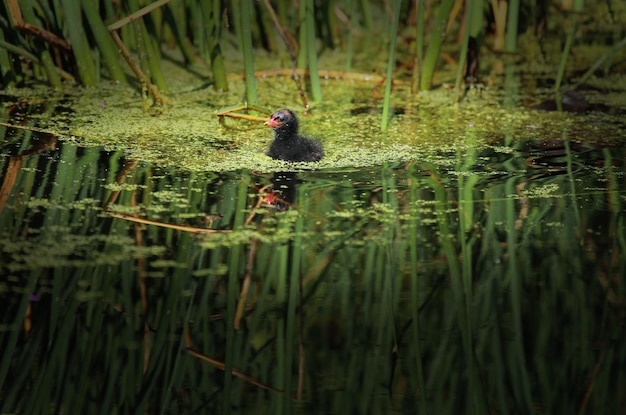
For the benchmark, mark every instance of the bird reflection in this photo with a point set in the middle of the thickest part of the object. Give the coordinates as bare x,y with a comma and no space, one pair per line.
282,194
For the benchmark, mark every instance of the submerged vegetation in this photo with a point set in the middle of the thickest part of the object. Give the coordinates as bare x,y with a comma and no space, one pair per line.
481,282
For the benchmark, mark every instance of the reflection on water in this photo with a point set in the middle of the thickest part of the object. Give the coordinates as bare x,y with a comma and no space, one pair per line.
493,283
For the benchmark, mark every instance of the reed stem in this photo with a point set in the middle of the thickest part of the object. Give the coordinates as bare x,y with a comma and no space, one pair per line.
215,53
462,57
511,26
599,62
80,46
419,45
248,56
350,37
562,64
106,46
367,15
397,4
311,42
434,47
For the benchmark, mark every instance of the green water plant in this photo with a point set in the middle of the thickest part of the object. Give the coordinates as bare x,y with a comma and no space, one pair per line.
437,36
210,31
311,47
248,53
396,5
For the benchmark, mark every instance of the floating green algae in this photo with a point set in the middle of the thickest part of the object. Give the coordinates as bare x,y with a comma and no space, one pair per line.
58,247
188,134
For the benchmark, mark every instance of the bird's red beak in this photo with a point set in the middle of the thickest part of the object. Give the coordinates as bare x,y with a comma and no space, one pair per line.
272,122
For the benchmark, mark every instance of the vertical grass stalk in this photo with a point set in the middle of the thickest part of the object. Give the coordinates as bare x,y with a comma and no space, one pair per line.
510,40
309,27
390,63
367,15
434,47
177,18
302,37
292,299
233,278
419,45
80,45
462,57
44,54
248,57
599,62
215,53
350,38
561,71
521,388
103,39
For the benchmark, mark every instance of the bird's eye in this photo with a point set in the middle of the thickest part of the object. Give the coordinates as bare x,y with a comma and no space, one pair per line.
281,117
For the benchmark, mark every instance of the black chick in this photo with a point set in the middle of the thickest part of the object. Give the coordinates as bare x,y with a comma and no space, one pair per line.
287,144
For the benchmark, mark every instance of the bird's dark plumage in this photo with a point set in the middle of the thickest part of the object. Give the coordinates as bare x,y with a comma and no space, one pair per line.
288,145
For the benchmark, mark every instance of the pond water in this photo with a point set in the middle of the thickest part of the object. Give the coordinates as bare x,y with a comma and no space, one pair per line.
489,281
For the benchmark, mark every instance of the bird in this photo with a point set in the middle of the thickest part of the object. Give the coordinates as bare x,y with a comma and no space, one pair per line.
288,145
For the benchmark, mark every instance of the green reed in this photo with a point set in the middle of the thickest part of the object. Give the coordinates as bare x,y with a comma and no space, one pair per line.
512,25
206,27
105,44
248,53
462,59
434,46
368,21
562,65
472,27
311,47
39,48
396,6
148,46
213,15
419,45
608,56
235,261
349,35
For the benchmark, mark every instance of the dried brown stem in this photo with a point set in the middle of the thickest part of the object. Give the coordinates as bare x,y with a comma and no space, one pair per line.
43,34
183,228
220,365
152,89
138,14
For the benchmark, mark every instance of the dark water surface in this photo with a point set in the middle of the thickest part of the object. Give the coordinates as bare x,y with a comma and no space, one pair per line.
495,284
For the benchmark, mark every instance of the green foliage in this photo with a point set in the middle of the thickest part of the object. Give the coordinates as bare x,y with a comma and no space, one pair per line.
60,39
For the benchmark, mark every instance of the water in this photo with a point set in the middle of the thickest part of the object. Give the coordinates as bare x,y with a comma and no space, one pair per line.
485,280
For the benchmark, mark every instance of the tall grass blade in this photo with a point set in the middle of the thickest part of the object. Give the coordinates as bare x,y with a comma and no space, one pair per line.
396,6
214,36
562,64
419,45
510,42
78,38
311,47
434,47
105,44
248,53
